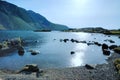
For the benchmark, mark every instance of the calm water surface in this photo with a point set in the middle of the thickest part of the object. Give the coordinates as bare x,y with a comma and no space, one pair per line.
53,53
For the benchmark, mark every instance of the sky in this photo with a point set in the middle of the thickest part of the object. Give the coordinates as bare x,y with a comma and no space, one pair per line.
76,13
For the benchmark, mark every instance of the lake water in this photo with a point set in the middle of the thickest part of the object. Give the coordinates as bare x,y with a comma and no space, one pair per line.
53,53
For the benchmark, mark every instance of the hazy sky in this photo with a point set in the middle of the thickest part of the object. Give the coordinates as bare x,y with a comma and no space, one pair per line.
76,13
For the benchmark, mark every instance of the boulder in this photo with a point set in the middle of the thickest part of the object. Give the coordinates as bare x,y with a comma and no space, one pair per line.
104,46
106,52
117,49
116,61
30,68
112,46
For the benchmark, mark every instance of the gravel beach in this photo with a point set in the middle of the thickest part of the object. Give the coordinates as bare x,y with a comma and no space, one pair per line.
100,72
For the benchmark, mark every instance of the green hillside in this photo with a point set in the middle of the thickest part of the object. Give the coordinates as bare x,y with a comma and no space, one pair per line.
13,17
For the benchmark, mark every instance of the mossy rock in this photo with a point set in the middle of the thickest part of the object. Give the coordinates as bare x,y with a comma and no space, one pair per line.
117,61
30,68
117,50
118,67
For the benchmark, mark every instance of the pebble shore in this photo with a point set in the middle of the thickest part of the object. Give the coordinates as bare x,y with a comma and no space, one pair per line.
105,71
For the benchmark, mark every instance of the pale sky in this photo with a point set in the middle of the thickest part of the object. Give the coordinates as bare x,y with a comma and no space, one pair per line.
76,13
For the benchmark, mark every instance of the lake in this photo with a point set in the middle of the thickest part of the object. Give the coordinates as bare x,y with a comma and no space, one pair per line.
53,52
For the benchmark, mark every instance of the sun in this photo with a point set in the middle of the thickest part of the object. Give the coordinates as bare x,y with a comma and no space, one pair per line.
79,3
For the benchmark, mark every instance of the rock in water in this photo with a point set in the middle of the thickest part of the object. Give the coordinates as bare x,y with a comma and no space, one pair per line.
104,46
21,51
112,46
72,52
34,53
106,52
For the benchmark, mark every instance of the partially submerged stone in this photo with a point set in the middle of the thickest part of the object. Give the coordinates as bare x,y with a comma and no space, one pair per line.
33,52
104,46
106,52
112,47
72,52
21,50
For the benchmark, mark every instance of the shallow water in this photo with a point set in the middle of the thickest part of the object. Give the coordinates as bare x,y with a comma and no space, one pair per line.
53,53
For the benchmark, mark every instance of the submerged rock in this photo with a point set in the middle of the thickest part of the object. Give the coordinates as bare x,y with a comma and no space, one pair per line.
109,40
83,42
61,40
90,43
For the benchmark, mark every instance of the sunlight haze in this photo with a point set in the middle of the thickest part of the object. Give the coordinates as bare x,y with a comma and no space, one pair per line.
76,13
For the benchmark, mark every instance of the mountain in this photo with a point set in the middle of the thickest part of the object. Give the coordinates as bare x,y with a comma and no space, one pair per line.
13,17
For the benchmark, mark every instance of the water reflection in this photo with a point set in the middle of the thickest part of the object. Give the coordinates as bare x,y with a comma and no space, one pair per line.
78,58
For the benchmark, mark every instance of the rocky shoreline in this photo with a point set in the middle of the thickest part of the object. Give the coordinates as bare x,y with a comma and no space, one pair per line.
106,71
95,30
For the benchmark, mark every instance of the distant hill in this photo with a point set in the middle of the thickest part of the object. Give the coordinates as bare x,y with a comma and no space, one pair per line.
13,17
